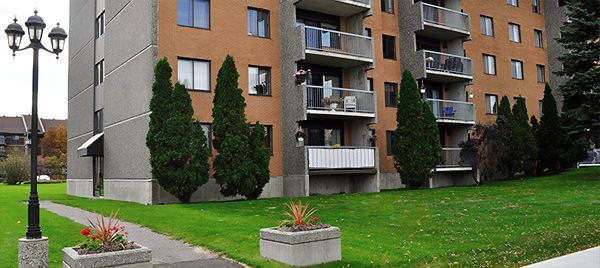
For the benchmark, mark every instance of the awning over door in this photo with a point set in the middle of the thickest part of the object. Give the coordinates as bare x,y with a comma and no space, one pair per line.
92,147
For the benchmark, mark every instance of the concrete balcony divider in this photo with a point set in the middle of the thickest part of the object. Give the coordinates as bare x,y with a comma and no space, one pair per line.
453,111
448,64
451,158
444,17
335,44
349,100
343,157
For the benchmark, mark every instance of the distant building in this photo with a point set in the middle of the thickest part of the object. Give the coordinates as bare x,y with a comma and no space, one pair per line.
14,129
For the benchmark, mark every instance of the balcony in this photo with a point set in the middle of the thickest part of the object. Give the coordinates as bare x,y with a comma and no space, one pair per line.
322,159
443,23
453,112
451,161
447,68
342,8
333,101
335,48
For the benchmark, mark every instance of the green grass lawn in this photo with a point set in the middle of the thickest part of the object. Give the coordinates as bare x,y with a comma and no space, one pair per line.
500,224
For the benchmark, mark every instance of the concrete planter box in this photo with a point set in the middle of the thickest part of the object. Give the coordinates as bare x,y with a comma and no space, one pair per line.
301,248
132,258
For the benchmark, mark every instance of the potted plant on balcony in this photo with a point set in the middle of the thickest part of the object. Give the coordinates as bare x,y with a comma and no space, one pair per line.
300,135
301,240
301,75
106,245
333,102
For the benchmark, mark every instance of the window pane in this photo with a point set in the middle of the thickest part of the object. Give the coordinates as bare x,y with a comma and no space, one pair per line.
184,12
264,78
202,75
252,79
206,128
185,73
252,22
389,137
391,94
202,13
262,23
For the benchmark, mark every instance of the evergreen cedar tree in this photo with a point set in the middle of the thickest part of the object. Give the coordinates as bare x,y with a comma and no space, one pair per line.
242,165
581,93
505,154
415,145
522,140
178,146
551,138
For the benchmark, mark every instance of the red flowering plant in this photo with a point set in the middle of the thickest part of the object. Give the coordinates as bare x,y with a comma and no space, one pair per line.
300,218
104,235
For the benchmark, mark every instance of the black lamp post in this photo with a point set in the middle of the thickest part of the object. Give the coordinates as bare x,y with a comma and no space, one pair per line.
35,27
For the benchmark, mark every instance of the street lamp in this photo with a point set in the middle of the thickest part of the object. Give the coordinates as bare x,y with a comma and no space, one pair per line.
35,28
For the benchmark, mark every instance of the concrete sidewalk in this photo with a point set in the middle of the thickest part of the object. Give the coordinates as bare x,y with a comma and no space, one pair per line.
589,258
166,252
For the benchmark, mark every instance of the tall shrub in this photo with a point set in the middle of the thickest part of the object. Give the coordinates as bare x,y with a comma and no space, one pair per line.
521,139
179,155
261,157
16,169
413,148
506,163
481,151
551,137
242,165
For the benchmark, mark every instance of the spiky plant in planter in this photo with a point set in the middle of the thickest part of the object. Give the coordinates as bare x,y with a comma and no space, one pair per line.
105,236
300,218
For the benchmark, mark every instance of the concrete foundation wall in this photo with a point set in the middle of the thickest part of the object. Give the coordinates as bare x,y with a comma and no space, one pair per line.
390,181
343,184
451,179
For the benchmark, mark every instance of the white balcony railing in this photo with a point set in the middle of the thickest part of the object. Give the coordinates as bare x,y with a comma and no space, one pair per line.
324,157
445,17
339,99
448,63
451,158
338,42
452,110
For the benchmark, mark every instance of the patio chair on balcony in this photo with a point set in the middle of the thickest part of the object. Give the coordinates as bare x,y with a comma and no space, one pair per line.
449,112
454,65
350,103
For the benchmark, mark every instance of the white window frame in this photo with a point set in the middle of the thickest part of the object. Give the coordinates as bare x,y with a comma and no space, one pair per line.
486,25
541,73
514,32
195,82
256,76
489,64
538,38
517,69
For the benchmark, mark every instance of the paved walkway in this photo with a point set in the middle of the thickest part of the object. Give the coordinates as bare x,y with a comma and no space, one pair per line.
166,252
589,258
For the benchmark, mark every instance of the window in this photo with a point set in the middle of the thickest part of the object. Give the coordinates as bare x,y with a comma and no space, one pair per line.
268,142
541,73
207,129
387,6
535,6
367,32
194,74
541,106
98,121
491,104
517,69
538,38
489,64
513,2
514,32
100,25
518,99
389,138
487,25
193,13
370,86
391,94
259,81
389,47
99,73
258,22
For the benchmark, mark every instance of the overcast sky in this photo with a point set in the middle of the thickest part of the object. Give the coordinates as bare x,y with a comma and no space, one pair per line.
15,74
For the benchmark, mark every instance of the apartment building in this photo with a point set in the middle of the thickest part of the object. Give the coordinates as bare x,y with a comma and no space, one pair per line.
466,54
